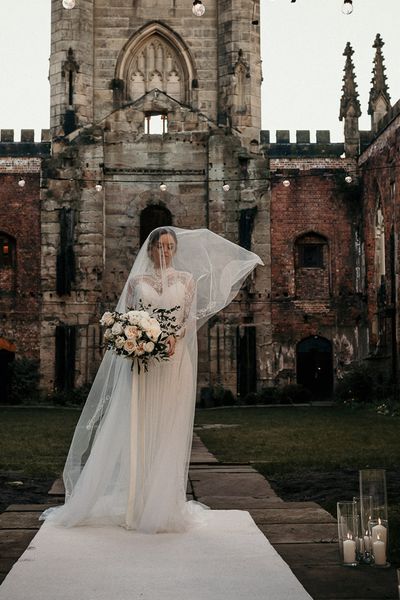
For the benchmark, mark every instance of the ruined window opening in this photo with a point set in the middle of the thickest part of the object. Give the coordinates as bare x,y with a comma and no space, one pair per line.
7,251
65,357
66,255
380,261
70,89
311,256
156,124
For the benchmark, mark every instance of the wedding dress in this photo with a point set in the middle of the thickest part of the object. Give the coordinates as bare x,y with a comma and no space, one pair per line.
128,461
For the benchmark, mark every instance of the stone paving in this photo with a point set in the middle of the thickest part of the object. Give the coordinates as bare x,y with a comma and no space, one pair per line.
302,532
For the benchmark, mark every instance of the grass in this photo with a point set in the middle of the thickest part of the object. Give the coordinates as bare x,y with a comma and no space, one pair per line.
35,441
289,438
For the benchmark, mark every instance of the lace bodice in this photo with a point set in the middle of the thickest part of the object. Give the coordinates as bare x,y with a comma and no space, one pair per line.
173,288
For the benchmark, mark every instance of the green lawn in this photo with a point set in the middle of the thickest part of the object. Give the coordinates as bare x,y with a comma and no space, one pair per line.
35,441
289,438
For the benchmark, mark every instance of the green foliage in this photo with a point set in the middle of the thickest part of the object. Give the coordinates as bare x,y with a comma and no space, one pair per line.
368,386
24,381
76,397
356,387
288,394
216,395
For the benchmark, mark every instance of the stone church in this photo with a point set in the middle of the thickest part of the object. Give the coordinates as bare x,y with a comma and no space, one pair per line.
156,120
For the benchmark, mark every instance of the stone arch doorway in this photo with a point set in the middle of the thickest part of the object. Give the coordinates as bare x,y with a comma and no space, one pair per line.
314,367
7,355
151,217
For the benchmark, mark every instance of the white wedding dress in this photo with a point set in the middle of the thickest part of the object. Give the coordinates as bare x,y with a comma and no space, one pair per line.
136,473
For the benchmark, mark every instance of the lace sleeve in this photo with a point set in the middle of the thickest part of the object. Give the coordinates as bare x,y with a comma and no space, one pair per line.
130,294
188,303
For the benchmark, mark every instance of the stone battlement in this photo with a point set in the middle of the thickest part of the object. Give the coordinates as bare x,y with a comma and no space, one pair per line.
27,146
303,147
27,135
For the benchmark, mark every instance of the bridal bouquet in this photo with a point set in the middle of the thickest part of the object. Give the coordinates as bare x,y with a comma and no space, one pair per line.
140,334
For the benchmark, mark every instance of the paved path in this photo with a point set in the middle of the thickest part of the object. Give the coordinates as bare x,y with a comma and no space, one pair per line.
302,532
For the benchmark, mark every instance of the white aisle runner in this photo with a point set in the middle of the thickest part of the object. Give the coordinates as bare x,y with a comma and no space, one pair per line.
226,559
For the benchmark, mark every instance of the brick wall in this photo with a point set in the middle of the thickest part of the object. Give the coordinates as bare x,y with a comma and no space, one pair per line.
20,285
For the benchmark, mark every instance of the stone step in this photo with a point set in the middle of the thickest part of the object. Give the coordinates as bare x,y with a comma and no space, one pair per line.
13,542
291,515
309,554
309,533
20,520
239,502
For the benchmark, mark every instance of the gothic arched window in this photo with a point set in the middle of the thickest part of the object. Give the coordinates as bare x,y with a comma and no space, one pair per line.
152,217
156,58
311,260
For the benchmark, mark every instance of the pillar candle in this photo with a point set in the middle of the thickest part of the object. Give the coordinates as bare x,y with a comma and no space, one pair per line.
349,551
379,551
379,531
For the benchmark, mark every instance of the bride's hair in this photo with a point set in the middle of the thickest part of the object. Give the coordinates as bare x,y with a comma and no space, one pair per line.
157,233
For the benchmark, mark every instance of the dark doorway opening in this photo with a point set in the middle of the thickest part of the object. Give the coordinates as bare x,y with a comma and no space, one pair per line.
246,361
6,358
315,365
152,217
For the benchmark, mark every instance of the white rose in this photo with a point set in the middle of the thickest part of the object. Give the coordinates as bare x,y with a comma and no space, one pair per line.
154,333
108,334
117,329
107,319
140,349
133,316
130,346
119,342
132,332
149,347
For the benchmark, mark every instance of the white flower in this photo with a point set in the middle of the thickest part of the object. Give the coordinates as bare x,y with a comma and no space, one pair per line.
130,346
140,349
132,332
149,347
117,329
107,319
108,334
133,316
119,342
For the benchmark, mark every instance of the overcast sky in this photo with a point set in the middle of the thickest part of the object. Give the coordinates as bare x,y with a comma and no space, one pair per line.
302,47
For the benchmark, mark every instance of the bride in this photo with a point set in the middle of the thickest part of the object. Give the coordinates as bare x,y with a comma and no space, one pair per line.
129,457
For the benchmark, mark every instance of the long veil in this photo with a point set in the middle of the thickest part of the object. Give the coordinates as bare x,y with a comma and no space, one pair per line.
215,269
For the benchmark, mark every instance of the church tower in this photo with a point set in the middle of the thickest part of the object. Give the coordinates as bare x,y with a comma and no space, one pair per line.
153,110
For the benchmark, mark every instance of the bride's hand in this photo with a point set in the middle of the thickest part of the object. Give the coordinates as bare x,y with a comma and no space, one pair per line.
171,343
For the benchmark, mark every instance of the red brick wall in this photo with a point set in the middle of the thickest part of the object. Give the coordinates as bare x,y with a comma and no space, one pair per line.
314,301
20,218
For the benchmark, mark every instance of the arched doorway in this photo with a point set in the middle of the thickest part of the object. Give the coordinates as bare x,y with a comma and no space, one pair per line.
7,355
315,365
151,217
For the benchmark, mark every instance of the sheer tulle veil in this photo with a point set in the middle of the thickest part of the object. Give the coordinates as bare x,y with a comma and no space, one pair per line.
215,269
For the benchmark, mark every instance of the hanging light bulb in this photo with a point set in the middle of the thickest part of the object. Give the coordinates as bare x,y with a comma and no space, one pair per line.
68,4
163,187
286,183
348,179
21,182
198,8
226,187
98,187
347,7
